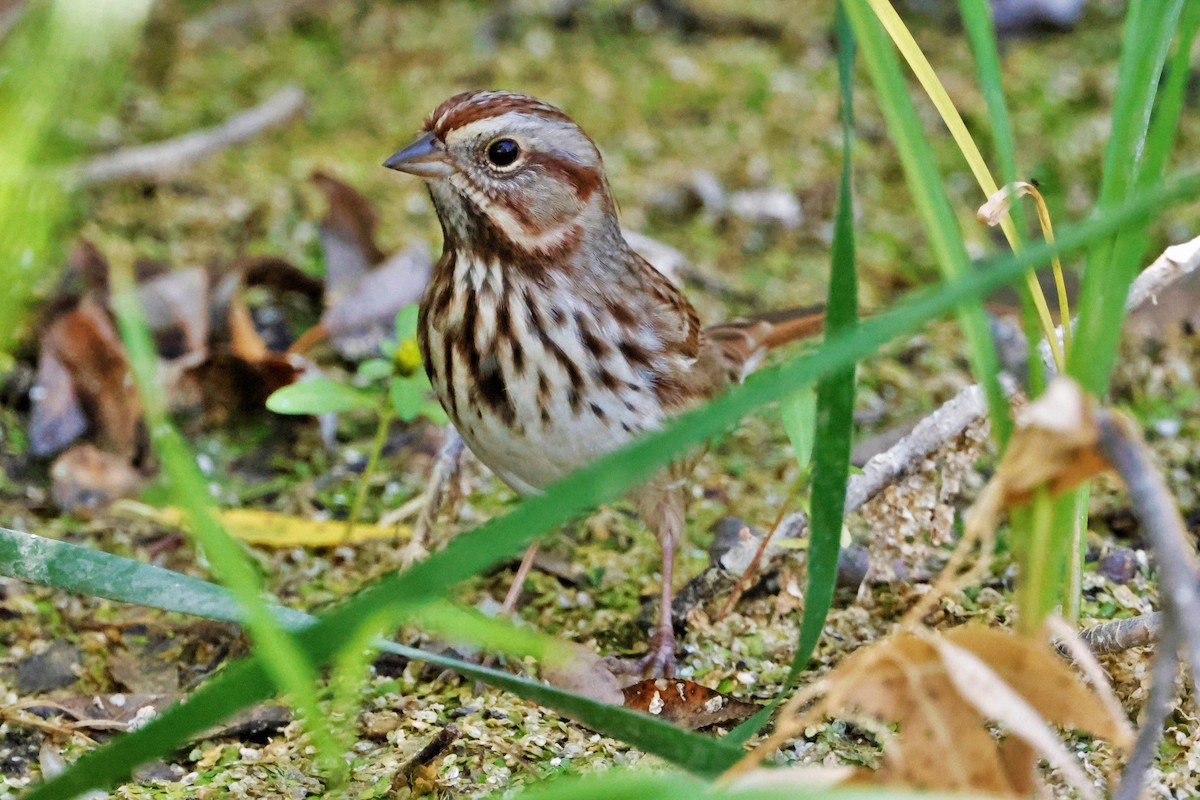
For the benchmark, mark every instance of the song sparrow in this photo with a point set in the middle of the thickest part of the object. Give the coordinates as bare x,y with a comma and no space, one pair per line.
548,340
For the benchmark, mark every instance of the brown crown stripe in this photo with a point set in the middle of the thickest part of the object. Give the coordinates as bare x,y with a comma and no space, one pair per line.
467,107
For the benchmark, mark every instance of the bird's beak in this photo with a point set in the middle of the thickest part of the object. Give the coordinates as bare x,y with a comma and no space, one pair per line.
425,157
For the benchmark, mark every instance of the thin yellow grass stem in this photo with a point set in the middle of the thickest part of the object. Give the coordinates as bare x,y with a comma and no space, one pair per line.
1064,306
928,79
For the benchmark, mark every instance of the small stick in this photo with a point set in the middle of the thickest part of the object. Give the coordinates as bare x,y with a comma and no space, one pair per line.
161,159
739,585
1175,555
1158,706
424,757
1119,635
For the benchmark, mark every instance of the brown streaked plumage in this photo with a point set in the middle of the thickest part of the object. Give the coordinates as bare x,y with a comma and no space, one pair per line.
548,340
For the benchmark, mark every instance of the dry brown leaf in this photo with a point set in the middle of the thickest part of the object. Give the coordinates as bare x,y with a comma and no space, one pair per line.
86,480
351,219
279,275
1057,693
143,672
363,288
938,747
583,672
57,418
84,342
686,703
110,712
997,701
358,319
946,692
175,305
244,338
1054,444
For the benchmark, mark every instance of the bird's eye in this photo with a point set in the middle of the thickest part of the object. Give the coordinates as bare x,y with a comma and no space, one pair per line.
503,152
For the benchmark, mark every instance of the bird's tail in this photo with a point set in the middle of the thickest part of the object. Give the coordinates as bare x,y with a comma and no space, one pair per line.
790,325
740,346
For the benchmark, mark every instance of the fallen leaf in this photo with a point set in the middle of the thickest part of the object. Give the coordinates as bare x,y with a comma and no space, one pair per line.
144,672
272,529
1054,444
357,320
1057,694
946,692
363,288
999,702
84,343
175,306
110,712
686,703
585,673
57,418
280,275
351,219
86,480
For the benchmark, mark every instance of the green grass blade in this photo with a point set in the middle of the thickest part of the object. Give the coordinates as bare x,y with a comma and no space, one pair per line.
85,571
675,786
245,682
798,414
835,392
59,56
941,224
977,20
1112,265
1149,27
981,32
1164,125
834,406
285,662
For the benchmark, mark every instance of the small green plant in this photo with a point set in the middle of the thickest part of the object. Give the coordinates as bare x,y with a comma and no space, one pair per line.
393,382
397,387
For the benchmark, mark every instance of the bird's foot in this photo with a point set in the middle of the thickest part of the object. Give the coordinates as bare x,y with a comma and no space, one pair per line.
659,661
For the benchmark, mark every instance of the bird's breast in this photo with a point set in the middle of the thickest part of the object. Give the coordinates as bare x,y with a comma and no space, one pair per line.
537,379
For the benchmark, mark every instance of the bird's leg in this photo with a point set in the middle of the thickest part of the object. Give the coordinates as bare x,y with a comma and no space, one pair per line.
663,510
510,601
659,660
514,591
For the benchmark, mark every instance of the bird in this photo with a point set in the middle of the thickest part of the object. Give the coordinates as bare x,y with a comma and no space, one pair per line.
546,338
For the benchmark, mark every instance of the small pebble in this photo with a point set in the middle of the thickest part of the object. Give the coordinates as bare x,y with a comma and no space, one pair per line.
1120,565
852,566
1168,428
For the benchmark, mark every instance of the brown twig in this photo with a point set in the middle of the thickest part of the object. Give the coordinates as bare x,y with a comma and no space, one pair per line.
1119,635
427,755
901,459
1158,706
739,586
161,159
1154,506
